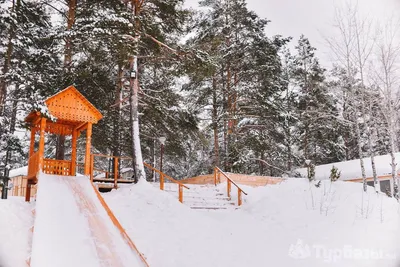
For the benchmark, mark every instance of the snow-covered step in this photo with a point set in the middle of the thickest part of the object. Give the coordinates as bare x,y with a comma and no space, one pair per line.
202,197
209,202
208,208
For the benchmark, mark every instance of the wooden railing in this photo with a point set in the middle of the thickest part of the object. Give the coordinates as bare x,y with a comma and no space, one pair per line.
57,167
33,165
217,179
115,173
164,176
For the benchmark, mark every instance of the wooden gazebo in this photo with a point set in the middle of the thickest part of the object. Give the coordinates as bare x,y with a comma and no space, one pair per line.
70,113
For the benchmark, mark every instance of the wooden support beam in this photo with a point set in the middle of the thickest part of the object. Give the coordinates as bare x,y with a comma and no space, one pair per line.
41,143
229,188
115,172
180,193
88,147
28,192
32,143
73,152
92,167
82,126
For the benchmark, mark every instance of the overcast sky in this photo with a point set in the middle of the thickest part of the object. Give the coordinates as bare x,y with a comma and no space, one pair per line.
313,18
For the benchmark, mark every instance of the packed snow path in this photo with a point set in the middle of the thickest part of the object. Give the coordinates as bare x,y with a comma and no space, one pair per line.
73,229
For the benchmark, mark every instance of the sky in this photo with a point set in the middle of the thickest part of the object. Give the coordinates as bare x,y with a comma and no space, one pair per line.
313,18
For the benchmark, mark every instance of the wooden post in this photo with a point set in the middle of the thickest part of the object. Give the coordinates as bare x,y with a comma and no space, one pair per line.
88,146
41,143
161,181
73,152
32,144
229,187
239,197
115,172
180,193
92,167
219,177
215,176
28,192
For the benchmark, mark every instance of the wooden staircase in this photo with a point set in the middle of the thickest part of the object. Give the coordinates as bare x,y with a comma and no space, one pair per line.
203,197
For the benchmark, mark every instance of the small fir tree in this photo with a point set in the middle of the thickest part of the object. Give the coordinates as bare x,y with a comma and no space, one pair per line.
335,174
311,172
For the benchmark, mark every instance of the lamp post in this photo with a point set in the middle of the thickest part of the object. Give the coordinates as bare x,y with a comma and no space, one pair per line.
162,141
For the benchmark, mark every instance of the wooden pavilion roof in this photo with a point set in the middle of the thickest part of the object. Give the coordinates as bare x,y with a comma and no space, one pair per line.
70,109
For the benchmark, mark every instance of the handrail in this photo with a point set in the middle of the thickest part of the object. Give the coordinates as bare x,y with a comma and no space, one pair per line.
116,173
98,170
118,225
163,175
110,156
217,172
58,160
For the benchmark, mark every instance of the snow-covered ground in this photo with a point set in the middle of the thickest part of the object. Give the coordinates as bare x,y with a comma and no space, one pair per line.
351,169
291,224
15,222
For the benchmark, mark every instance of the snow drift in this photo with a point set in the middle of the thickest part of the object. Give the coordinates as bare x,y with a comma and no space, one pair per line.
291,224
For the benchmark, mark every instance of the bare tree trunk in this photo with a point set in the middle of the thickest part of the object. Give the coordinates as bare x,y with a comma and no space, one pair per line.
360,152
343,48
228,162
68,40
60,148
363,51
225,119
134,101
7,58
215,122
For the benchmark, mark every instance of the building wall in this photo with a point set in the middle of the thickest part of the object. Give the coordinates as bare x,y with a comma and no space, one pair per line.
19,187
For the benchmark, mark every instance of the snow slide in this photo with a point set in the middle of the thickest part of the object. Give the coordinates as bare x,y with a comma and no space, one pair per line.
72,228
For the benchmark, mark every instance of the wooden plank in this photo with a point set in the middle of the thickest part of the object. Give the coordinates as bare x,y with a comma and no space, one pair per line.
41,142
88,147
73,152
32,142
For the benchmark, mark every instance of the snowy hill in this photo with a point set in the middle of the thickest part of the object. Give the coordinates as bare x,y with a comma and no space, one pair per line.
291,224
351,169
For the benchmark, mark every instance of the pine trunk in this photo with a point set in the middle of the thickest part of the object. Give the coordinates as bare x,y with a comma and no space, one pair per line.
60,149
136,147
134,101
215,122
7,58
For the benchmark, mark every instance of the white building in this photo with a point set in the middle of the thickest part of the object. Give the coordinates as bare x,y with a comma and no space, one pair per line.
351,171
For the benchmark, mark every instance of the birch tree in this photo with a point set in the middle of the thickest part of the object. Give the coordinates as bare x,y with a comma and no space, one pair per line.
386,78
345,48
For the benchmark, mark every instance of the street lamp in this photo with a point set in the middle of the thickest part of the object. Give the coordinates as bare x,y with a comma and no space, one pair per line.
162,140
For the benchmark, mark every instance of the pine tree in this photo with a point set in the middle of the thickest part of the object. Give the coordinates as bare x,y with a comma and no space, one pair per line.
319,137
244,72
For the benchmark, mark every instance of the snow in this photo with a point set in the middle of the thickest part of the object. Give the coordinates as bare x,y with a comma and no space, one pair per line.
15,222
294,223
73,229
23,171
351,169
290,224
